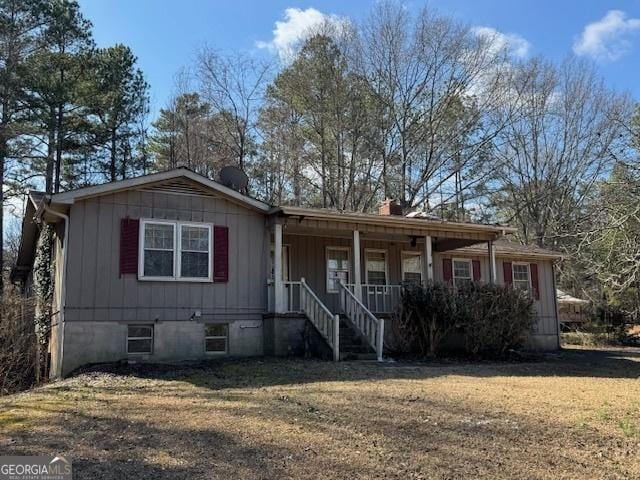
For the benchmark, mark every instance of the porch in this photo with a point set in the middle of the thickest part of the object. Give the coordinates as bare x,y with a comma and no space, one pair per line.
352,265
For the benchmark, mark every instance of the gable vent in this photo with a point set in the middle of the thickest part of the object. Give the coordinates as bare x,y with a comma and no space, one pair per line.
178,187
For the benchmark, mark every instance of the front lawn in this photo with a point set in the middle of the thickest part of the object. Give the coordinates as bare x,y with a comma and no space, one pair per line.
573,415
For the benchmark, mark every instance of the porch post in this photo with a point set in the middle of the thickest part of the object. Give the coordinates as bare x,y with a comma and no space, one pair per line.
356,265
492,263
428,258
277,268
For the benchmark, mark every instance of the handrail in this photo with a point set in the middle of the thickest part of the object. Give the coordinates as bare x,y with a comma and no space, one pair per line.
371,327
289,296
378,298
321,317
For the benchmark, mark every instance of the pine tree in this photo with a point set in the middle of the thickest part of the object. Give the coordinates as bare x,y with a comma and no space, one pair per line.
54,76
20,23
116,96
180,135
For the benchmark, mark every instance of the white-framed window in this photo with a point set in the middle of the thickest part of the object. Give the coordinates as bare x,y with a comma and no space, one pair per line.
462,271
521,276
338,267
412,267
157,249
173,250
216,337
140,339
375,266
195,251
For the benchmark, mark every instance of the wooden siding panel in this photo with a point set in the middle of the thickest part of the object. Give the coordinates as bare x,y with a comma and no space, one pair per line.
96,290
89,260
103,263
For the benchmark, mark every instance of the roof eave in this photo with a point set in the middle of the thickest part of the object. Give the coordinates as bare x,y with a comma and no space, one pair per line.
391,220
70,197
511,254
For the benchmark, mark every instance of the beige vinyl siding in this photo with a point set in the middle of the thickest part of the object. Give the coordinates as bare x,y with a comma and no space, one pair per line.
96,292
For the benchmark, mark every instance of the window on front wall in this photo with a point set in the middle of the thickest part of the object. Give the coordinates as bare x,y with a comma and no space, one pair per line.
194,251
521,277
216,337
462,272
159,248
338,267
176,251
140,339
412,267
376,267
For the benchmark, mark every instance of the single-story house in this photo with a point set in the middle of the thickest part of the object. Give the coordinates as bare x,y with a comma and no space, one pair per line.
571,310
174,266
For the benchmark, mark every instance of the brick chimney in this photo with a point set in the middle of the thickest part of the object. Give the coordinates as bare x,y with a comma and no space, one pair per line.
390,207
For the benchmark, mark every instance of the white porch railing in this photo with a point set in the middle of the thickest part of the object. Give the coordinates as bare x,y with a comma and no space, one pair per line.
300,298
379,298
291,296
371,327
321,317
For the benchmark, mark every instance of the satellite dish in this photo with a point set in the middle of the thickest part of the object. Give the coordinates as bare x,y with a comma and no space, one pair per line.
234,178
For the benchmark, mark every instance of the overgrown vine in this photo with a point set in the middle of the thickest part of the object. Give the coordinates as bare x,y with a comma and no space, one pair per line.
43,283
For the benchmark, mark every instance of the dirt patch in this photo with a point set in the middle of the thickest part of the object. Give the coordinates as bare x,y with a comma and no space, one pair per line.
573,415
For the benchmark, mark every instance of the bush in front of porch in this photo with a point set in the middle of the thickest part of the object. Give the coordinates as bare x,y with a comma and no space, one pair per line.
486,320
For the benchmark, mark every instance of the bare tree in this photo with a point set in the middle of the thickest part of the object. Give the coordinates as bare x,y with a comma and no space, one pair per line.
551,155
436,82
234,87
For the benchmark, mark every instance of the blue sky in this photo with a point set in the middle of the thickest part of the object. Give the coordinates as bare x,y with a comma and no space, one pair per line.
165,34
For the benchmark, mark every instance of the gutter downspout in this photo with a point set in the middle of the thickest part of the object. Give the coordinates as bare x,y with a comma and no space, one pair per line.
63,287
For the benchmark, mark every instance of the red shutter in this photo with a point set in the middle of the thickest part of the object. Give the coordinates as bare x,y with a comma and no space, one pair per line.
476,270
220,253
508,273
535,286
129,234
447,270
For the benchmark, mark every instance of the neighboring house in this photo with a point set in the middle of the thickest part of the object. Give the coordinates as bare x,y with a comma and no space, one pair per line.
571,310
174,266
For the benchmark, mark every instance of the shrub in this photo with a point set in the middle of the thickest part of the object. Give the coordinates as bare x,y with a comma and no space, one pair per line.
496,319
18,344
491,320
427,315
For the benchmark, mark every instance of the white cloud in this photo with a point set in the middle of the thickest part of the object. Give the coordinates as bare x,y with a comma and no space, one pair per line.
609,37
515,44
296,26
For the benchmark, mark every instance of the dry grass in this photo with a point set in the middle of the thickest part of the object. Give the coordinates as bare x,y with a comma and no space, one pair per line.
576,415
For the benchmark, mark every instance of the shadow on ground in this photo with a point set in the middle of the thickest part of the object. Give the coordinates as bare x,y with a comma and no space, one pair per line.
272,418
570,362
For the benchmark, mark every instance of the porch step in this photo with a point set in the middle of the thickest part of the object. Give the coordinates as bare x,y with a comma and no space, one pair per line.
357,356
352,345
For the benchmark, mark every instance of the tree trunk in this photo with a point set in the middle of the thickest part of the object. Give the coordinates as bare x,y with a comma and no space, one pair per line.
188,142
51,149
323,167
3,154
112,166
59,139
